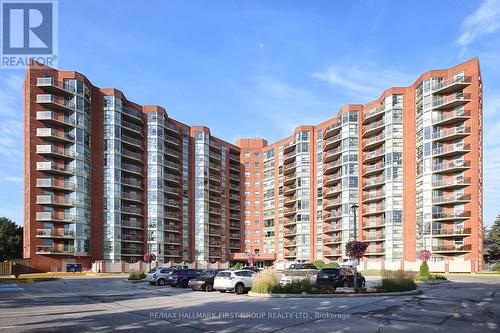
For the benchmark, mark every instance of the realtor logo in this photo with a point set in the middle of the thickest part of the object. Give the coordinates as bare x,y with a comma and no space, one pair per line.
29,31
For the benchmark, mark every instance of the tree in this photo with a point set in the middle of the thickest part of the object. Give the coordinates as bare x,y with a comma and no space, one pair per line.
493,241
424,255
11,240
319,264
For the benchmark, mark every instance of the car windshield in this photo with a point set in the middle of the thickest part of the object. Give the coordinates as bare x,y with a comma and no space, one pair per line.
209,273
152,270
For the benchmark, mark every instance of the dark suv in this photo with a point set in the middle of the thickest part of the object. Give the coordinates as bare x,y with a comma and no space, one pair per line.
301,266
338,277
181,277
205,281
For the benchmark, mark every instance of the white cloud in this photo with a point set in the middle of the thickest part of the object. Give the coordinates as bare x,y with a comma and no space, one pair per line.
485,20
366,81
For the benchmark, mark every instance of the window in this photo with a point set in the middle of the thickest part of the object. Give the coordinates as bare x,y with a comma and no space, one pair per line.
247,174
256,155
247,155
247,164
256,164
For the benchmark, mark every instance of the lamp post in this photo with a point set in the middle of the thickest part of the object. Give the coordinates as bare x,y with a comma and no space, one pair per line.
354,209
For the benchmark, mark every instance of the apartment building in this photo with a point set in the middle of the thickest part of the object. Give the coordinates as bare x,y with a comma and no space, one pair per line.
408,165
109,179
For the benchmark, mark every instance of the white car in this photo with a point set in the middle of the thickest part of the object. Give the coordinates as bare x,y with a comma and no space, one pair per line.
238,281
299,275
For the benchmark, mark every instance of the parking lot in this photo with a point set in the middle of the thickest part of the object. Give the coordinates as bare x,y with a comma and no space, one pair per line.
468,304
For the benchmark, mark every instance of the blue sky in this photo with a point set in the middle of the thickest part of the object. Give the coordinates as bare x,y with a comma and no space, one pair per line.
259,68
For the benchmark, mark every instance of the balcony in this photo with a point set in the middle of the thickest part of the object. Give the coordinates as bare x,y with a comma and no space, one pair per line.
47,249
51,233
451,232
289,168
50,183
172,166
173,129
131,252
53,135
171,191
332,240
332,130
332,154
452,84
332,191
290,232
373,168
452,248
235,226
55,151
51,167
451,199
451,150
336,227
173,254
332,142
454,166
289,147
132,225
54,102
374,196
290,254
234,187
214,166
373,128
453,133
49,84
378,223
55,119
290,221
133,114
174,153
289,190
130,182
451,117
233,167
332,180
214,211
132,211
234,197
173,240
289,201
51,200
373,155
374,182
375,250
172,142
369,144
374,237
131,238
330,204
290,244
451,101
332,216
133,142
172,203
332,253
132,128
173,179
133,169
131,155
332,167
373,114
132,197
55,217
443,216
289,157
213,155
377,210
456,182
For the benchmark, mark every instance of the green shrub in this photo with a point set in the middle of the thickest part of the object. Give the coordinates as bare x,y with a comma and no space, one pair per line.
424,270
319,264
331,264
136,276
238,265
371,272
398,281
431,277
265,281
496,267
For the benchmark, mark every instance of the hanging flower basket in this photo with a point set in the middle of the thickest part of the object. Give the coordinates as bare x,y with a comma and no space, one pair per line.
424,255
356,249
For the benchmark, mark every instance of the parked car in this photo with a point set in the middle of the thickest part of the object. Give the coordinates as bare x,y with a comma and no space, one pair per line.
158,275
301,266
205,281
239,281
338,277
181,277
252,268
298,275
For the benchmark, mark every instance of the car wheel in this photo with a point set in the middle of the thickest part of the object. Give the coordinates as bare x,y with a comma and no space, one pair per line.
184,284
161,282
173,284
239,289
209,287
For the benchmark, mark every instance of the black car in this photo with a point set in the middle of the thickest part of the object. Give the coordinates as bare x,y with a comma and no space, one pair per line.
301,266
338,277
205,281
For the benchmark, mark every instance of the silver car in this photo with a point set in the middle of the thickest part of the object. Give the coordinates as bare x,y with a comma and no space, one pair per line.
158,275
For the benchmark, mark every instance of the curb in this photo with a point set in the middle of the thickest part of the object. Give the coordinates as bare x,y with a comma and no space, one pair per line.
401,293
432,282
134,281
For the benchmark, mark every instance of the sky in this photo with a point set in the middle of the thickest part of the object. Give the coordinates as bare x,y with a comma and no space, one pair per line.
260,68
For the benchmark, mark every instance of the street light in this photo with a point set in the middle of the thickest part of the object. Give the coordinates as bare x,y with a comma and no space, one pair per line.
354,209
